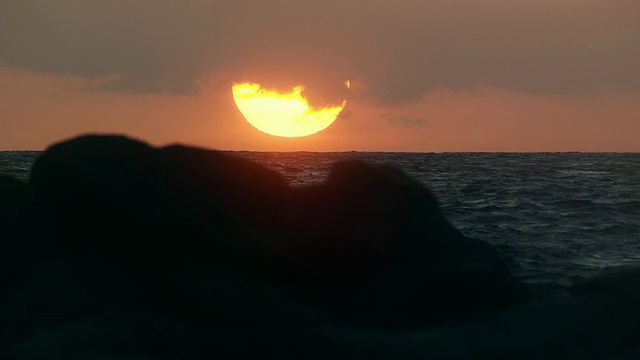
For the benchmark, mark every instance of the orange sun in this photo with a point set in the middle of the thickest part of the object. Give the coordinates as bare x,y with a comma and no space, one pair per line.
282,114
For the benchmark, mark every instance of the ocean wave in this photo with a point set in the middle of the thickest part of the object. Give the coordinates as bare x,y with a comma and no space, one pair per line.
550,212
573,203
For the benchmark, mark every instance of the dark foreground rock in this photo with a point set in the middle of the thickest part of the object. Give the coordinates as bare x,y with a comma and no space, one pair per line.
25,235
131,251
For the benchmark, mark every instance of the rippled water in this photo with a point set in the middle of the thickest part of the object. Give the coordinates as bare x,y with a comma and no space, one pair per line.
17,163
554,216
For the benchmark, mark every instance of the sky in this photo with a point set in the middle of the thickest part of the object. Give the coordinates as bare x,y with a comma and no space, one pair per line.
426,75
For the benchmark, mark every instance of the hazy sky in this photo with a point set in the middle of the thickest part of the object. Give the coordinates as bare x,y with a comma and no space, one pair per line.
447,75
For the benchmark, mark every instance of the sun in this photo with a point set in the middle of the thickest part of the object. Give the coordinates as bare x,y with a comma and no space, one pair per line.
282,114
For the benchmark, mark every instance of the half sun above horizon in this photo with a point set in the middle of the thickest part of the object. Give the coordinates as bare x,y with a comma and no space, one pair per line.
282,114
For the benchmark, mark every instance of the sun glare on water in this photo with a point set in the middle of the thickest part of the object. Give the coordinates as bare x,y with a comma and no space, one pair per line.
282,114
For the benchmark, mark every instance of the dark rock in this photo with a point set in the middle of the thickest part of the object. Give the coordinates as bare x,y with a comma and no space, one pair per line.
218,244
56,292
14,195
25,237
368,240
622,283
125,334
378,237
156,211
240,199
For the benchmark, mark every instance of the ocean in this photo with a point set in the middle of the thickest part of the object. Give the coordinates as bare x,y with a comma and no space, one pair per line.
554,217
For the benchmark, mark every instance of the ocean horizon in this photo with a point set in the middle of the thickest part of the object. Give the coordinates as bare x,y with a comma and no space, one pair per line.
556,218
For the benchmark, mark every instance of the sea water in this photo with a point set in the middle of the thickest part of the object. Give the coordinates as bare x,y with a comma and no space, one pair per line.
554,217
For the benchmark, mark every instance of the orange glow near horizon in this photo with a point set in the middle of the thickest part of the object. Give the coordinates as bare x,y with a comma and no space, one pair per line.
282,114
40,109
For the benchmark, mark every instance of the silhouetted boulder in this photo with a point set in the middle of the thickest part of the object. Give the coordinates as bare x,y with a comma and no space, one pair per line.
15,196
157,211
370,240
621,283
244,200
25,237
387,256
118,249
139,202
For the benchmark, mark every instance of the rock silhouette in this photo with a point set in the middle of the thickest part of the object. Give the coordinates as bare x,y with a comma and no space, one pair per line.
133,251
376,220
26,237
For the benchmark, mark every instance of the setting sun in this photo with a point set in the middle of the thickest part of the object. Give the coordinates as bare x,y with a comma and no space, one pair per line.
282,114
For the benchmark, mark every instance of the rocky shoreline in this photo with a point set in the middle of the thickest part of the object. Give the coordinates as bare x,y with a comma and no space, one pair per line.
115,249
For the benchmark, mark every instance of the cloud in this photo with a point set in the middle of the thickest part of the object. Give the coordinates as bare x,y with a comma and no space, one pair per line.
397,49
403,120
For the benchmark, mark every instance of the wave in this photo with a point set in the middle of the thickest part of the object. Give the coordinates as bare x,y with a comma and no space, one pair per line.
577,204
573,203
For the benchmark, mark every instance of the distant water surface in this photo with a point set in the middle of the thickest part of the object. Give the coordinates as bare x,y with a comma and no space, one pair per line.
555,217
17,163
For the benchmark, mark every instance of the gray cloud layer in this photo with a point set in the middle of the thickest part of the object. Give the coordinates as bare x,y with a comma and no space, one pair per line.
397,49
